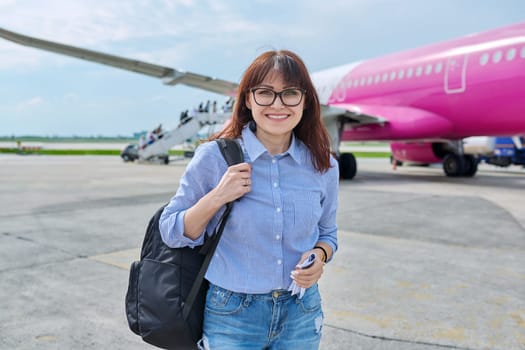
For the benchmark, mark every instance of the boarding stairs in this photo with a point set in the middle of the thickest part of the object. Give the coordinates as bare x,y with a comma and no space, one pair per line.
188,127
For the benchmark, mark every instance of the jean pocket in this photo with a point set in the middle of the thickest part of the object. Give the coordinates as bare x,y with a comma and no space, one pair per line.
223,302
311,301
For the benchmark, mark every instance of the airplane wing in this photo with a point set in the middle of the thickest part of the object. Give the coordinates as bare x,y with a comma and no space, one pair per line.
169,76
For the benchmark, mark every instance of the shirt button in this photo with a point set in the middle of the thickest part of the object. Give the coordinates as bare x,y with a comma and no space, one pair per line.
275,184
278,210
273,160
279,262
277,237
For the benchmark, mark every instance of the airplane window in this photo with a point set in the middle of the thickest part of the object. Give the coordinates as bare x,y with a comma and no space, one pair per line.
370,80
409,72
385,77
511,54
428,69
484,59
377,79
439,67
522,52
401,74
392,75
341,88
356,83
419,70
496,57
362,81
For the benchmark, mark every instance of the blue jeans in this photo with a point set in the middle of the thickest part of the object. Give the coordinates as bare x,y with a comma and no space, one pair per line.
276,320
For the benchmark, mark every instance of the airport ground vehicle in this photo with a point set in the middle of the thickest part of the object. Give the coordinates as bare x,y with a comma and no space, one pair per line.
158,150
130,153
506,151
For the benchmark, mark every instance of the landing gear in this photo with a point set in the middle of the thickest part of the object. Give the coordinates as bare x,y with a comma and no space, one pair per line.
455,165
471,165
347,166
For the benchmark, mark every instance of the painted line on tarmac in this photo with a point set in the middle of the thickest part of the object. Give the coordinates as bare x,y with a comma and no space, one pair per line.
121,259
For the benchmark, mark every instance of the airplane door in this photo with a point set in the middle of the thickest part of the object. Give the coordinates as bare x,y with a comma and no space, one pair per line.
455,74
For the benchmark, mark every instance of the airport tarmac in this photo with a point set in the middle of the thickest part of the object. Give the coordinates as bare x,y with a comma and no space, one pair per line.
424,262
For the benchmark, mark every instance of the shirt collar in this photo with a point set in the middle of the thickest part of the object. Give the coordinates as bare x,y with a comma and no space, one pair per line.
255,148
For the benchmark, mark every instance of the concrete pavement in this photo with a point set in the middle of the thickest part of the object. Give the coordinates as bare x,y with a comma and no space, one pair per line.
425,261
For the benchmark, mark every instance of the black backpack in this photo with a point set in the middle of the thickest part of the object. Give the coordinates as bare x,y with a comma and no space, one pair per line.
167,290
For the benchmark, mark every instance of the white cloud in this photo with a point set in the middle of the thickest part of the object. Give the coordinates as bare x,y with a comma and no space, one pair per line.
113,26
167,32
31,103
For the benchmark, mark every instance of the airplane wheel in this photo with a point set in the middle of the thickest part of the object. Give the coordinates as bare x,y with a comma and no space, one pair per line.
471,165
453,165
347,166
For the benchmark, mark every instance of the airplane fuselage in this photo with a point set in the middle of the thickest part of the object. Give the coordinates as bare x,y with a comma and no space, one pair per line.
465,87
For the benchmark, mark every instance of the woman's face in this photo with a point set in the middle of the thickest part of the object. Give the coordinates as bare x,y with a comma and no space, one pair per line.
276,120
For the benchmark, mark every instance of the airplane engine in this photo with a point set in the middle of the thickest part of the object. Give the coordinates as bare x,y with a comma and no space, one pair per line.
416,152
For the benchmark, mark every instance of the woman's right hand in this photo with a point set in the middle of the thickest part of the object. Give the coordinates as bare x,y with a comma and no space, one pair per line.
235,183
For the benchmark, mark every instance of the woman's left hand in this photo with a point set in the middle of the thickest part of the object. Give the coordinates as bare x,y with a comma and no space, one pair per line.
309,276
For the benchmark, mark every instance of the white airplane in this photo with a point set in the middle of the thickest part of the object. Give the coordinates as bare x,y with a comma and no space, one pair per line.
426,100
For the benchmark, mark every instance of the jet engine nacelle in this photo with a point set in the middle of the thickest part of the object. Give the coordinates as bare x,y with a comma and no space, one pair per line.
417,152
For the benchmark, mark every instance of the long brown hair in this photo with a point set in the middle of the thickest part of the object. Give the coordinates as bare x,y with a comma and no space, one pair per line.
310,130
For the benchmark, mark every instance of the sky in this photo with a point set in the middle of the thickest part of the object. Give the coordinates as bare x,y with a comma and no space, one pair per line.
45,94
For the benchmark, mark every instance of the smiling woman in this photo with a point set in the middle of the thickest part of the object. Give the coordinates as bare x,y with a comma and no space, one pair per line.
290,180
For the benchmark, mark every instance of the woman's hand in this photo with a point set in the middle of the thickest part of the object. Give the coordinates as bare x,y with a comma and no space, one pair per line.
235,183
309,276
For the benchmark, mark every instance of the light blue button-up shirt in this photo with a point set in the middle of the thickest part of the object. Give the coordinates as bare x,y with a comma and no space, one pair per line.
290,207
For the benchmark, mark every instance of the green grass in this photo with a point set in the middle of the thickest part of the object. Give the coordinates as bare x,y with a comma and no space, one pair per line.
63,152
372,154
71,139
74,152
113,152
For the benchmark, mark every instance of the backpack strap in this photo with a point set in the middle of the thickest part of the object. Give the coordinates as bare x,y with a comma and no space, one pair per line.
232,152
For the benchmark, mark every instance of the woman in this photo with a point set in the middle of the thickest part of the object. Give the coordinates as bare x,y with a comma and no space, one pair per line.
285,211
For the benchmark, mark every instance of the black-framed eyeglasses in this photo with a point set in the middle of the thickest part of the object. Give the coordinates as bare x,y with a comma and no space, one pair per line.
289,97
